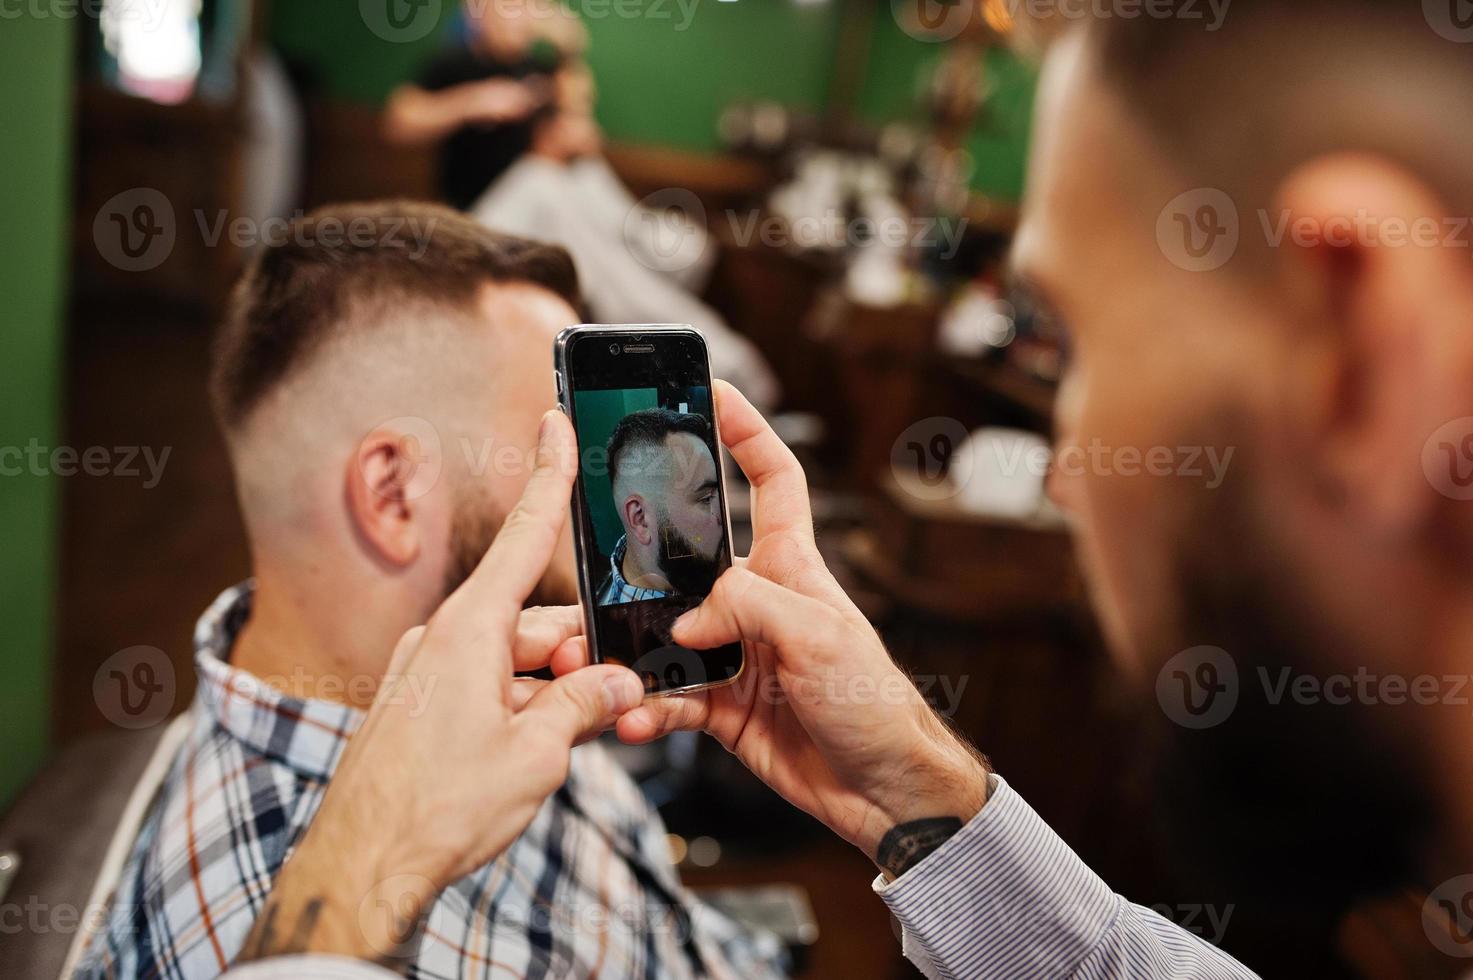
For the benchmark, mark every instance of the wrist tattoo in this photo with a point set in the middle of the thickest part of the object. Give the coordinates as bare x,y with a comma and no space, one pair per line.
906,844
288,928
264,940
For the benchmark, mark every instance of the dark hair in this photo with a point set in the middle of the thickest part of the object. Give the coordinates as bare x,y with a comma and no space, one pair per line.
649,427
1281,82
350,262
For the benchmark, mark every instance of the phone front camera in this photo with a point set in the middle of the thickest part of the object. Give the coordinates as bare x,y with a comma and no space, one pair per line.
613,348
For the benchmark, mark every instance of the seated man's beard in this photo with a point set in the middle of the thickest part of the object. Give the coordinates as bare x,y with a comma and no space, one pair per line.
687,571
472,530
1292,808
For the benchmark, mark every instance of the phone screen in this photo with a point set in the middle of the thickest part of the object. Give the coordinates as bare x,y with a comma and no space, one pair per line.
653,534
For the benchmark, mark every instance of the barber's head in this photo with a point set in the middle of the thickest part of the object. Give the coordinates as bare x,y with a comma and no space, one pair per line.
379,377
1246,232
508,29
666,491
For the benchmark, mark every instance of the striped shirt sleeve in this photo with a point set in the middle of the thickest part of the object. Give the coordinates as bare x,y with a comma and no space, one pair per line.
1006,897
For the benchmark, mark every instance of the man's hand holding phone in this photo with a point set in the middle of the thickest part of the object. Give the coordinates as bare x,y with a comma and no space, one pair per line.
426,793
821,713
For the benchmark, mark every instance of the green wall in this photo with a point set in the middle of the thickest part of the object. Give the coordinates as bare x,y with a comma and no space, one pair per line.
660,85
664,77
35,118
345,58
598,412
696,54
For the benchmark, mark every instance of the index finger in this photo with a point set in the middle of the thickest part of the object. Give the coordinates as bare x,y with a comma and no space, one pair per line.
517,559
779,488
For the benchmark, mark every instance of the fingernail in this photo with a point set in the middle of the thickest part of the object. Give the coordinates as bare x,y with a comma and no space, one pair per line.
545,427
622,693
686,618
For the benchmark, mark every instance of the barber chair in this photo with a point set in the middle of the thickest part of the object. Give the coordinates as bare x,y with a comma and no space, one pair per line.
66,839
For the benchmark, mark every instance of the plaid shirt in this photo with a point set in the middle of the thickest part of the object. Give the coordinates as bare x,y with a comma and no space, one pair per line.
587,890
615,589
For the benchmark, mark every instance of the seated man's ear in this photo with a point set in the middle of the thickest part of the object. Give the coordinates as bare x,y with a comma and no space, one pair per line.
637,519
1381,282
389,472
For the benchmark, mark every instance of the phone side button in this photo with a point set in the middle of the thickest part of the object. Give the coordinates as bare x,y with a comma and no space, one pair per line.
558,377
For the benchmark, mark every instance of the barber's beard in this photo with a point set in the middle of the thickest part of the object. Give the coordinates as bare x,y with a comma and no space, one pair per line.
687,571
1293,810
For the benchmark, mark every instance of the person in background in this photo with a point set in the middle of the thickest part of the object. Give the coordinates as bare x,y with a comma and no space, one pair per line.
511,107
637,264
379,379
481,97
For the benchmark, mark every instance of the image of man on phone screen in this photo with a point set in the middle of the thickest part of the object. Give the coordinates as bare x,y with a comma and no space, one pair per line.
668,497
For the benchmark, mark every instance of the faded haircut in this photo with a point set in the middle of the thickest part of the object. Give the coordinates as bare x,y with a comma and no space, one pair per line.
650,427
348,264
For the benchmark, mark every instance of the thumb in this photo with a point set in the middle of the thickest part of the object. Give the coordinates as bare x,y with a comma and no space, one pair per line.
394,676
404,650
745,606
579,705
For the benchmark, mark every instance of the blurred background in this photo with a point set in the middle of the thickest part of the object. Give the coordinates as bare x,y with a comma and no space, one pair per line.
834,180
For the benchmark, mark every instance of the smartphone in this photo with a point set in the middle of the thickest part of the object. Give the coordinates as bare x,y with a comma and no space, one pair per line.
650,520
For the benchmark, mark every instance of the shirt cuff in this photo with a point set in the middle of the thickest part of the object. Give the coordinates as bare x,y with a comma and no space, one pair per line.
1004,896
310,967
